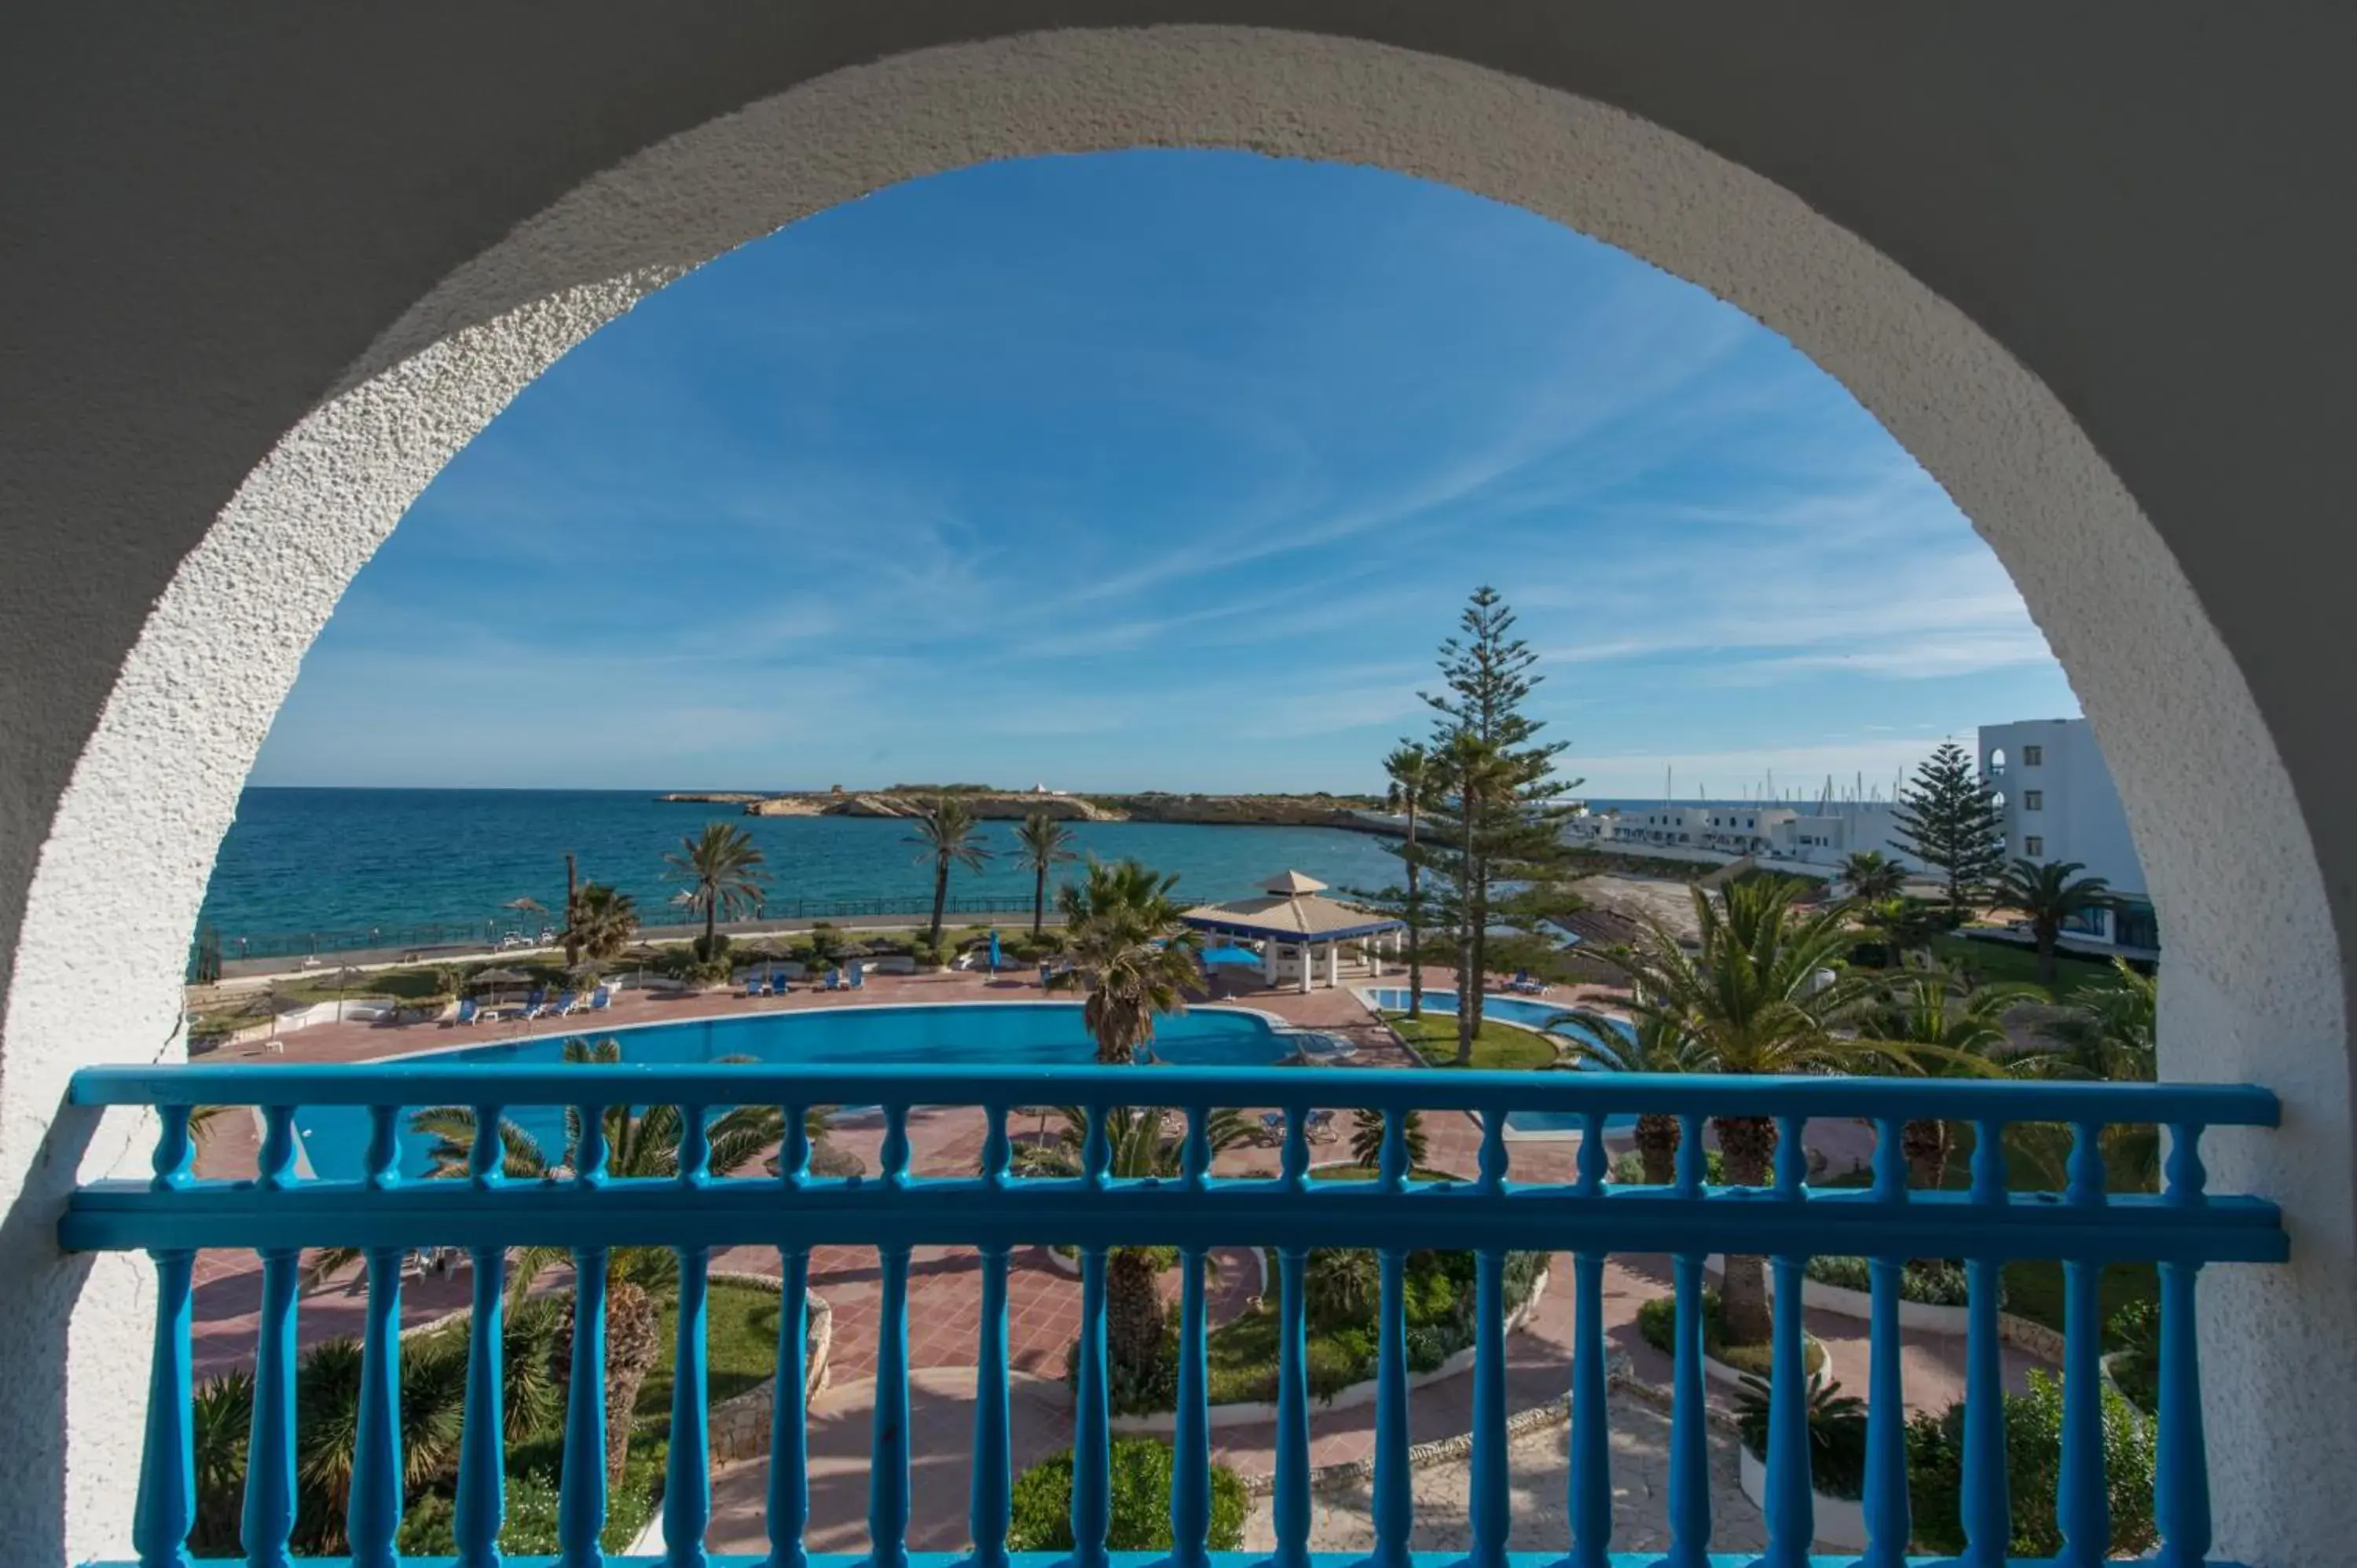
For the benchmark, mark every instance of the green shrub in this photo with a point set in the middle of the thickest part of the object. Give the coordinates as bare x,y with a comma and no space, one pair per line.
1836,1434
1041,1516
1629,1170
1657,1324
1135,1391
2135,1329
2033,1444
529,1526
1934,1282
1426,1348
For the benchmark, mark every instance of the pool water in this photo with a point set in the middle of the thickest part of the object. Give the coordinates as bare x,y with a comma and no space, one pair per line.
994,1033
1548,1016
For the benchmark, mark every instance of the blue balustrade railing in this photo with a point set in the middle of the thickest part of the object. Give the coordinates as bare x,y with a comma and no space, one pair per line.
588,1211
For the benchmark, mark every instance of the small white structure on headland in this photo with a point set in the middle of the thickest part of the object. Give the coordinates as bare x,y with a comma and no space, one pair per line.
1302,934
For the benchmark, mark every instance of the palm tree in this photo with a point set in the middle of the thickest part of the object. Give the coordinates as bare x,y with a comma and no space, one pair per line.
1367,1129
326,1426
2111,1032
947,834
221,1417
1900,925
600,923
1763,996
1414,779
722,868
2049,893
1043,843
638,1143
1656,1044
1132,954
1952,1031
1873,877
1141,1146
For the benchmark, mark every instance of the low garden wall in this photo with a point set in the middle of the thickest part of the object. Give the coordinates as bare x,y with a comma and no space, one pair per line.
2037,1339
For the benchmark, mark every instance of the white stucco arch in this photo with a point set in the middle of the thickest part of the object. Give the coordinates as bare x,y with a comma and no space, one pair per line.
2253,988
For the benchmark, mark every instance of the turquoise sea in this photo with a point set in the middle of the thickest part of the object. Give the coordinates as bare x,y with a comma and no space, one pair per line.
355,860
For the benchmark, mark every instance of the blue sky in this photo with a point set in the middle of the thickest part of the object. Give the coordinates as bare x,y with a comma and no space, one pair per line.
1161,471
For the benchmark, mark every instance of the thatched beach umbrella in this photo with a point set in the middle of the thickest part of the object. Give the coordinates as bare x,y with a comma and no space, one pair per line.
497,978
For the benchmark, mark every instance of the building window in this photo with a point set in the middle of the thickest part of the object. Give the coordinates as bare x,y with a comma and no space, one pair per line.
2031,756
2033,799
2033,846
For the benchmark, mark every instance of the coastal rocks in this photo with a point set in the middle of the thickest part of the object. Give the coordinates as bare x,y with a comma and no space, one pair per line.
783,806
1355,813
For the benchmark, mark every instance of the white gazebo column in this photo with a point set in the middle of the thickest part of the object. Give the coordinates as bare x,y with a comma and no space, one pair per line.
1268,960
1309,955
1333,966
1373,948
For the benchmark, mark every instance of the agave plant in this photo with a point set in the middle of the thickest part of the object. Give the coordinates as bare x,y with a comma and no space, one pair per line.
1836,1431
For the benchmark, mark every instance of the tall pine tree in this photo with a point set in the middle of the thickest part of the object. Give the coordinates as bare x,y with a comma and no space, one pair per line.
1500,820
1948,820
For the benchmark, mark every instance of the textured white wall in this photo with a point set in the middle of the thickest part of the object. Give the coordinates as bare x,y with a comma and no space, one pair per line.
2255,972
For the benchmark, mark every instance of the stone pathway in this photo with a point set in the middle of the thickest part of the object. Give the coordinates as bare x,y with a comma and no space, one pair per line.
1540,1469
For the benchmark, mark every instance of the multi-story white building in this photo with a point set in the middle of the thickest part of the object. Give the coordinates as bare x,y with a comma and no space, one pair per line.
2059,804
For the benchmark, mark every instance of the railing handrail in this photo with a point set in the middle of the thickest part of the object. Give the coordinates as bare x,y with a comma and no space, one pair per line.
420,1083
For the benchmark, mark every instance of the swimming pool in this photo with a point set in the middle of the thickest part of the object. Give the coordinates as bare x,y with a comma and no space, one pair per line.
1549,1017
992,1034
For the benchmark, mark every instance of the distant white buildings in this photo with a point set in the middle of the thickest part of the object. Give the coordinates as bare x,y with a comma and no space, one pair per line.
2050,782
2061,805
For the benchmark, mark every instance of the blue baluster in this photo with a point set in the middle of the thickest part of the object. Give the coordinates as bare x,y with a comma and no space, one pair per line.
1395,1503
1692,1157
789,1420
687,1478
482,1443
1195,1157
988,1518
1792,1515
2182,1470
1689,1417
1096,1150
893,1154
793,1157
1391,1168
175,1149
1492,1166
1091,1421
270,1451
2082,1507
888,1460
1293,1160
1792,1155
1592,1426
581,1488
373,1513
996,1151
695,1145
486,1155
1290,1505
383,1159
1191,1439
1491,1502
1988,1508
276,1160
1595,1159
1889,1516
167,1478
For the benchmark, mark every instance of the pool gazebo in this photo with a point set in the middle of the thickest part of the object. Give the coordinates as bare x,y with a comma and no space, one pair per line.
1303,935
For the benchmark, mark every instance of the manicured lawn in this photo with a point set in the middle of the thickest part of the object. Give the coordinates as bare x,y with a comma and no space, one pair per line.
1434,1038
740,1348
2004,962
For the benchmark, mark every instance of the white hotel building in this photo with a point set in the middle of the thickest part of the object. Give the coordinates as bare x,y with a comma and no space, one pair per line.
2059,804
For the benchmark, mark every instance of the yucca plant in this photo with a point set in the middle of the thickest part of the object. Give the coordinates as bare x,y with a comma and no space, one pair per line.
1836,1433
